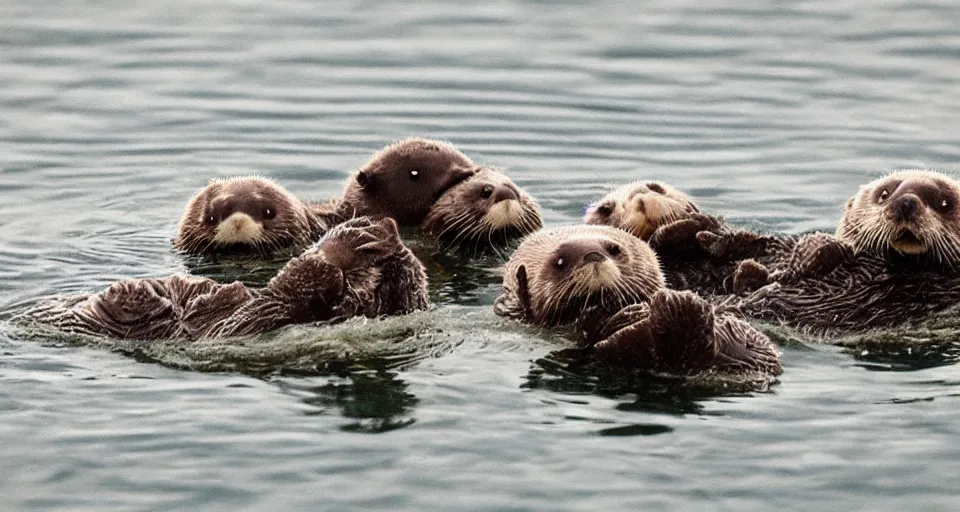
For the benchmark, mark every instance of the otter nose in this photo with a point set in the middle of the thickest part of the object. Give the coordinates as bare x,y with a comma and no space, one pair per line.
594,257
504,193
906,207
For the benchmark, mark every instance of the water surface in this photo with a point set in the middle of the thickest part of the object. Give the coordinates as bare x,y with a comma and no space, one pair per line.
113,114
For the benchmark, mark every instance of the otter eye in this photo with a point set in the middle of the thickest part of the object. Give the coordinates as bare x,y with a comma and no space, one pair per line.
269,213
210,219
613,250
486,192
944,204
883,196
559,263
605,209
414,175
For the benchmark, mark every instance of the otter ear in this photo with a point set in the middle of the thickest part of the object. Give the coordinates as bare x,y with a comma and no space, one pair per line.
523,292
849,203
364,179
463,173
656,187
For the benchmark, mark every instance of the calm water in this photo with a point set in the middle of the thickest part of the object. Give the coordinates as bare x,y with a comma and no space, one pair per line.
113,113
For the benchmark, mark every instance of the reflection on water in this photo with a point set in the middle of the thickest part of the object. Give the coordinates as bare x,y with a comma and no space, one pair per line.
379,401
575,372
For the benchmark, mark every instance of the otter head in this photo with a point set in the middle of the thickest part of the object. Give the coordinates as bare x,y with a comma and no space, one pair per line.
640,208
911,212
556,275
486,211
245,213
404,179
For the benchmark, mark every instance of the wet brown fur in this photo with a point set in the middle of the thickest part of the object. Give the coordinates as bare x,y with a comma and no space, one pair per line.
359,268
563,278
404,179
860,280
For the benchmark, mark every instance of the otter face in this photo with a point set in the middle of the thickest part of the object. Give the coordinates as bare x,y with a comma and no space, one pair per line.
485,211
556,275
247,213
911,212
404,179
640,208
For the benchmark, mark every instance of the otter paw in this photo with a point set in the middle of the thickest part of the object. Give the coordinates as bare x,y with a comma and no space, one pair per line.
681,235
633,346
738,245
749,276
817,255
677,336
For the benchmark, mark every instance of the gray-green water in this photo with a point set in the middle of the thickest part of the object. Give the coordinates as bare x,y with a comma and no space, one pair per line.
113,113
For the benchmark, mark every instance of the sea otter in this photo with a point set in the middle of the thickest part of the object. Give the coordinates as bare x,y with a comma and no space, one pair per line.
485,211
250,214
641,208
359,267
404,179
604,286
670,222
893,261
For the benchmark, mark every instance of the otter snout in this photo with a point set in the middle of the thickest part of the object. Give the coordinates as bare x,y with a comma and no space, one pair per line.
576,253
906,207
594,257
505,193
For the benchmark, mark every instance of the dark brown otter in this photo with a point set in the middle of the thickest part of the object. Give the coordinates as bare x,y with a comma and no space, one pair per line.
404,179
605,286
250,214
909,219
486,211
892,263
359,268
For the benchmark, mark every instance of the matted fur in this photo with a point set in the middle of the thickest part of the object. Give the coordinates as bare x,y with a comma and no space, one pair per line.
404,179
359,268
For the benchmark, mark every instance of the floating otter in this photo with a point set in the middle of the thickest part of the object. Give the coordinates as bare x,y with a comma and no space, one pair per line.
249,215
404,179
641,208
359,268
487,210
605,286
670,222
893,262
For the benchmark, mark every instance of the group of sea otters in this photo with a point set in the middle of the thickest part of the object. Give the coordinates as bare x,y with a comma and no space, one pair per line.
647,282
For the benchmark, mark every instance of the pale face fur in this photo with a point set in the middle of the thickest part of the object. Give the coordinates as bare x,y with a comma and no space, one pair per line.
572,268
485,211
243,213
910,212
640,208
